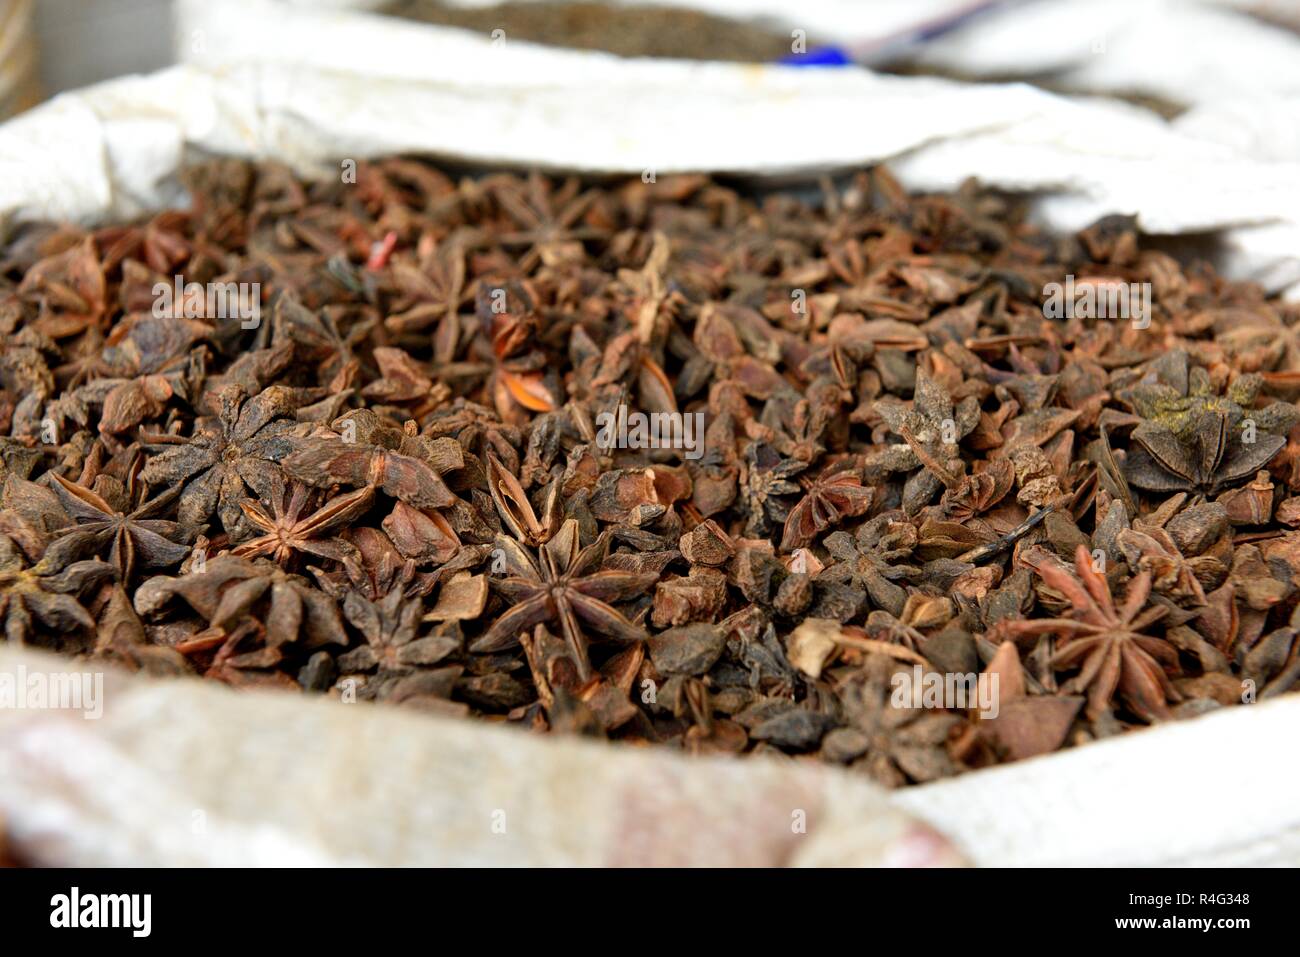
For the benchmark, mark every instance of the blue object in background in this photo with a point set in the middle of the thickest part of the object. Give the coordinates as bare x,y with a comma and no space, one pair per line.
881,50
822,56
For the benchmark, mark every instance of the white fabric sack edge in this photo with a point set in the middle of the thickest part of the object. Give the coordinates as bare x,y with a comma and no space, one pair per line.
112,150
518,102
1218,790
1184,50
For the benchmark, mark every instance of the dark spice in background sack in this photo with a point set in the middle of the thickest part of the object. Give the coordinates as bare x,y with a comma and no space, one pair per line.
627,31
380,439
679,33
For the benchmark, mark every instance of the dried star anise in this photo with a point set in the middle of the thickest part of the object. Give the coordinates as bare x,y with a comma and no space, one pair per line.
1106,642
931,429
326,460
129,536
44,593
899,442
766,487
893,744
874,560
214,464
285,530
391,629
566,586
228,589
828,499
1191,438
120,637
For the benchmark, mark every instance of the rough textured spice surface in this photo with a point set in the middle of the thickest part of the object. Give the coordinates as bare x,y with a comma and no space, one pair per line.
399,482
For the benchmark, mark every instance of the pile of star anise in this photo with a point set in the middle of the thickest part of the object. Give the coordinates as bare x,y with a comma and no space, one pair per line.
391,486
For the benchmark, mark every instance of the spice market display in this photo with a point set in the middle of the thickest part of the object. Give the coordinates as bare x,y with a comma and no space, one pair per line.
667,463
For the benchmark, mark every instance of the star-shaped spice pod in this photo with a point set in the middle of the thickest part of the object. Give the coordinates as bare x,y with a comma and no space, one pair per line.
212,465
564,586
1262,336
765,485
893,744
873,559
44,593
319,337
1191,439
549,218
286,530
828,499
131,537
1105,641
932,426
391,628
230,589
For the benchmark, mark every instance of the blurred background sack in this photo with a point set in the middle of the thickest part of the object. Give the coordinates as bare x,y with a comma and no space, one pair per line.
19,88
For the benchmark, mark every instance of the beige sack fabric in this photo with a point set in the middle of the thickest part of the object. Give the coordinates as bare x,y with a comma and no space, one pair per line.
190,773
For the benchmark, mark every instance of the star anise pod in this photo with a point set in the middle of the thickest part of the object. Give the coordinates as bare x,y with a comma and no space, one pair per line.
70,289
17,459
1191,439
403,381
828,499
159,244
286,531
432,293
874,559
322,461
766,486
149,362
318,337
381,568
1260,336
1153,550
1274,662
229,589
799,424
128,402
516,511
129,536
518,381
895,745
931,428
564,586
979,491
120,637
44,593
1106,642
478,429
31,515
548,219
252,668
213,465
391,629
